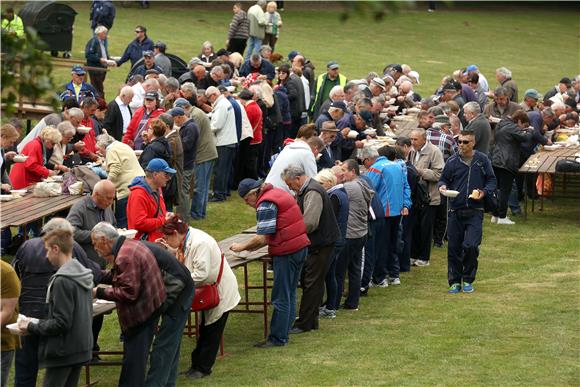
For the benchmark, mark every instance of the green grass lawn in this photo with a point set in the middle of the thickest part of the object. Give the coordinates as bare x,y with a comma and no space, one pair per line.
520,327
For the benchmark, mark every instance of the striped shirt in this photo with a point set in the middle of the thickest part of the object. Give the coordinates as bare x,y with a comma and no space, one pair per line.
444,142
266,215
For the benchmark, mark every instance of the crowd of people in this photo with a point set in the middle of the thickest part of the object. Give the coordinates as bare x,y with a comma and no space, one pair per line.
342,204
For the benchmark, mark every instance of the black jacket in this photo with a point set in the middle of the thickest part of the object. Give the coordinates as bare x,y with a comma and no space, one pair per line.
189,134
156,149
327,231
505,152
295,89
114,120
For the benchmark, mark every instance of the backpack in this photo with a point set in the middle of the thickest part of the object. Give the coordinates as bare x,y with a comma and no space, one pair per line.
420,198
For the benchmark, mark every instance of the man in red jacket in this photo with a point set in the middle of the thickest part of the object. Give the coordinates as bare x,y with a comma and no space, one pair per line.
281,227
146,210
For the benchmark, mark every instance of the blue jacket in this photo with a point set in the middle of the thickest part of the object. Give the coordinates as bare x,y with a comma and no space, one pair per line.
459,176
266,68
87,90
284,104
102,13
340,205
134,51
389,180
189,133
142,70
237,114
93,52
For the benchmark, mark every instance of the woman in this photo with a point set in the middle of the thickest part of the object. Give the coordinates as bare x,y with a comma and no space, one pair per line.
207,55
8,137
273,25
200,253
339,201
62,150
510,133
140,120
33,170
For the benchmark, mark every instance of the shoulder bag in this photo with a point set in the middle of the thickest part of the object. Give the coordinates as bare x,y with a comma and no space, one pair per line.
207,296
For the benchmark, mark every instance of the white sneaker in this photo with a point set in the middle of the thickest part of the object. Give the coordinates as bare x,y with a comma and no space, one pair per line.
505,220
383,284
394,281
421,263
494,219
413,261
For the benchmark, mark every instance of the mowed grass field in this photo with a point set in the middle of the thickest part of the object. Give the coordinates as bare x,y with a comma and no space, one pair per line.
520,327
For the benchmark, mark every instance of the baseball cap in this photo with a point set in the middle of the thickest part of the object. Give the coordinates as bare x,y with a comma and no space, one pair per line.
414,74
471,68
442,119
292,54
533,93
78,69
151,95
366,115
195,61
332,65
159,165
181,103
176,112
339,105
148,53
247,185
449,86
160,44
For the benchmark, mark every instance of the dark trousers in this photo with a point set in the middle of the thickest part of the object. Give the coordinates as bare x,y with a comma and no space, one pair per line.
350,259
98,81
270,40
26,362
223,167
97,325
266,152
313,273
408,223
465,230
505,180
62,376
121,212
7,357
330,280
247,165
375,250
237,45
389,264
440,224
423,233
136,344
208,343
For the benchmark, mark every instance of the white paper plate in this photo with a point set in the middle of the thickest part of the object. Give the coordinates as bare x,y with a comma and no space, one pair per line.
6,198
20,158
83,129
552,147
129,234
13,328
450,193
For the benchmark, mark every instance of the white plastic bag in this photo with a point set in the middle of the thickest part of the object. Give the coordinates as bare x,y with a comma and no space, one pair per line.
44,190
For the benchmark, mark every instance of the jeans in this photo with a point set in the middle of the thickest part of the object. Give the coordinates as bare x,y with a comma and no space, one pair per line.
183,209
331,286
165,353
286,274
254,45
375,250
350,258
26,363
7,357
223,169
136,345
464,239
513,200
202,173
121,212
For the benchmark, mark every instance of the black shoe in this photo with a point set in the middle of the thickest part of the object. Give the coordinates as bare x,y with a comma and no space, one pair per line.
215,199
364,292
266,344
347,307
438,245
193,374
95,360
296,331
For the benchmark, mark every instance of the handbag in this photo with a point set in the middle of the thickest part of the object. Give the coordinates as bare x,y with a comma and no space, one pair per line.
207,296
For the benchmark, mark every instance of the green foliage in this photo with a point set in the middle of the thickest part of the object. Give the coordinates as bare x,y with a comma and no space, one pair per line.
26,72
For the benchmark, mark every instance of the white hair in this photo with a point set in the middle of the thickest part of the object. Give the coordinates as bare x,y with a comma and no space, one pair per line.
105,230
336,89
472,107
76,113
504,71
100,29
57,224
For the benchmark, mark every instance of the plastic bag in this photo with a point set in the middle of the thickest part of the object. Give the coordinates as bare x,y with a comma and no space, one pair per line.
45,190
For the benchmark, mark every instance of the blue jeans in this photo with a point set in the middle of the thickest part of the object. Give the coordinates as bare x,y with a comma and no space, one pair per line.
254,45
375,251
331,286
223,169
350,258
165,353
286,275
121,212
26,360
513,201
202,173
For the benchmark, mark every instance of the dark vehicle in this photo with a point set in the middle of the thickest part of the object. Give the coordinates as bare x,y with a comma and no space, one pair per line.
178,66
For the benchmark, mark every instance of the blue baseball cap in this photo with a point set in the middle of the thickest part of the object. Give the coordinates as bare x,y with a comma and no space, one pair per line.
181,102
248,185
78,69
471,68
159,165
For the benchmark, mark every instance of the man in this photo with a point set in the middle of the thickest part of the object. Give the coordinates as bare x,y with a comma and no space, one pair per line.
335,113
146,210
239,30
324,84
479,125
9,315
376,87
472,175
336,95
437,135
260,67
297,101
214,77
12,23
77,88
328,134
102,14
119,113
452,92
257,27
162,60
322,231
97,55
501,107
189,133
299,152
223,125
196,72
280,225
359,195
481,79
531,98
137,47
138,291
473,82
428,160
89,151
35,272
148,64
504,78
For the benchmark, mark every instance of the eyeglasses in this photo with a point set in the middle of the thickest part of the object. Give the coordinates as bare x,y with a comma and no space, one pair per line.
138,31
463,141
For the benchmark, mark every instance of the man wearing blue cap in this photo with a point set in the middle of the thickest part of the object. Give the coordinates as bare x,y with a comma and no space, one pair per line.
77,88
324,84
146,210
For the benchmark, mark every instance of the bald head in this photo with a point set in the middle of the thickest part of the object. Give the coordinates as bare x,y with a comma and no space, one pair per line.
104,193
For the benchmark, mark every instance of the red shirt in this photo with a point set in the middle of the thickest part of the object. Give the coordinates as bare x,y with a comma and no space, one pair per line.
255,117
32,170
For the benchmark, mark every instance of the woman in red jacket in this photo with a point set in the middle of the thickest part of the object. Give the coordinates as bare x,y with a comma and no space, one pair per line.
33,170
140,120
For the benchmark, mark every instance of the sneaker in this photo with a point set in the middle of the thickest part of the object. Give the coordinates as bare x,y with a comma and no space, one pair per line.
327,313
394,281
383,284
505,220
454,289
364,292
421,263
467,287
494,219
438,245
346,307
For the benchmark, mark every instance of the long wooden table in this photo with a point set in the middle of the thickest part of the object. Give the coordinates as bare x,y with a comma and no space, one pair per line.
27,209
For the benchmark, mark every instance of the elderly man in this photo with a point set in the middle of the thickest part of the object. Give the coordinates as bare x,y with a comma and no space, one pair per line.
530,102
137,47
428,161
258,67
146,210
322,231
324,83
501,107
336,95
280,225
437,135
479,125
504,78
472,175
162,60
35,272
328,134
257,19
119,113
196,72
138,291
223,124
335,113
97,55
77,88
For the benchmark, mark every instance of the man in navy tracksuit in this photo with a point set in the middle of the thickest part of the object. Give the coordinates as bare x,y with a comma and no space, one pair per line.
472,175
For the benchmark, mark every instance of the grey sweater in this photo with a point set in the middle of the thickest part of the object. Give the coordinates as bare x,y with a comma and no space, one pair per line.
359,198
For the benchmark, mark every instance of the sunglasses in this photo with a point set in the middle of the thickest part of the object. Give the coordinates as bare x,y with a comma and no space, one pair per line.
138,31
463,141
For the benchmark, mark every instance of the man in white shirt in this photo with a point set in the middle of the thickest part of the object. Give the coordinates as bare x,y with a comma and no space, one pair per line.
119,113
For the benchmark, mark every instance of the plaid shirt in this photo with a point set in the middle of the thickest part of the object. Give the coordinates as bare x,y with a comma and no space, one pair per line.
137,285
444,142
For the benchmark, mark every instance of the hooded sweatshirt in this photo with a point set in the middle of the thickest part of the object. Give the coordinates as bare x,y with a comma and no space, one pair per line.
66,334
143,214
360,195
297,153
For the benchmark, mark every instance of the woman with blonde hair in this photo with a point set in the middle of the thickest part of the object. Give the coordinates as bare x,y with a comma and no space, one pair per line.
207,54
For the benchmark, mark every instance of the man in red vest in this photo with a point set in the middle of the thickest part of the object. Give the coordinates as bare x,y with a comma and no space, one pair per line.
280,225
